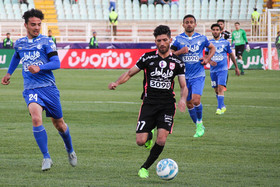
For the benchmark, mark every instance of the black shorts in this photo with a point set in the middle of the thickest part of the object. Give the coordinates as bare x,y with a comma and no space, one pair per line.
151,116
239,49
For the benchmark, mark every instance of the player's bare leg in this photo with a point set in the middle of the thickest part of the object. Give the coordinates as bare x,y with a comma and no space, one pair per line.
40,134
64,132
146,138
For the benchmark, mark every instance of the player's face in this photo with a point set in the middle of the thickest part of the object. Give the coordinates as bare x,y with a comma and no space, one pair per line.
222,25
33,27
163,43
216,32
189,24
237,26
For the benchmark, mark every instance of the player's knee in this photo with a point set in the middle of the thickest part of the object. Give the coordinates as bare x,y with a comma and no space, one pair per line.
140,142
60,125
161,141
190,105
196,102
37,121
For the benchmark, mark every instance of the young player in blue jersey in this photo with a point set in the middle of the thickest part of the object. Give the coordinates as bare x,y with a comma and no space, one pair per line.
189,47
39,57
218,73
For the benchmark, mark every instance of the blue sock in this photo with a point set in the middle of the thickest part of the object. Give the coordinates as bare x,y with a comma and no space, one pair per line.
198,110
192,113
221,101
41,138
67,140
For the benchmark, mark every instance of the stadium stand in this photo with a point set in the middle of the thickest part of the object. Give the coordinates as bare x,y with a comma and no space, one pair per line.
64,18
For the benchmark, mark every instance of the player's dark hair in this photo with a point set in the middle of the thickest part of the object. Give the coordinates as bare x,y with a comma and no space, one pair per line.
221,20
237,23
162,29
32,13
216,25
189,16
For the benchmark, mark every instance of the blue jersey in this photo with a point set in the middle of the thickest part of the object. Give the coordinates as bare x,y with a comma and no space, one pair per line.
35,52
195,44
222,48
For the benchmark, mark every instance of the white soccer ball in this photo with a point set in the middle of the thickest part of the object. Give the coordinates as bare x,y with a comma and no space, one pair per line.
167,169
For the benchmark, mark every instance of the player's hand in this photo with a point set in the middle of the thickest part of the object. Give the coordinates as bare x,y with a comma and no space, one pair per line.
33,69
213,63
6,79
248,48
204,60
237,72
185,50
182,105
112,86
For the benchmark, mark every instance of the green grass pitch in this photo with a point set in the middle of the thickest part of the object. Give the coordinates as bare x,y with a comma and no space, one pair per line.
239,148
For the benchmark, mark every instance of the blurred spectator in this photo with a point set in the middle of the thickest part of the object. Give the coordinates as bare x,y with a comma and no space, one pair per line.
112,5
277,41
143,2
113,18
277,44
162,2
174,2
7,42
51,36
269,4
255,17
93,43
24,1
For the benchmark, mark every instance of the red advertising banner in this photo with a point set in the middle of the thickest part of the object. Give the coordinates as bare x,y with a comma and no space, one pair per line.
100,58
275,62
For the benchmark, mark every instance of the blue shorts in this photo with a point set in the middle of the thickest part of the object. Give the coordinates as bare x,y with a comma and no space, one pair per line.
47,97
218,78
195,86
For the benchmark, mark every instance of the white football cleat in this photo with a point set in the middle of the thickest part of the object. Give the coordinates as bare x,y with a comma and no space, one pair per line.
47,164
72,158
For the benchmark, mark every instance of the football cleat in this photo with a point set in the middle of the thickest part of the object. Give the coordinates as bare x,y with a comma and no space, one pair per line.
224,109
149,143
219,111
72,159
199,130
143,173
47,164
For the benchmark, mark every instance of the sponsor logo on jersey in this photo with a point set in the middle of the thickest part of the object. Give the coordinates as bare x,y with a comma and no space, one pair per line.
220,49
194,48
162,64
151,63
30,56
161,73
172,65
39,46
149,57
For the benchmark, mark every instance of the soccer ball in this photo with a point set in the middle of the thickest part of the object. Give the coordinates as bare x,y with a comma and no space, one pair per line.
167,169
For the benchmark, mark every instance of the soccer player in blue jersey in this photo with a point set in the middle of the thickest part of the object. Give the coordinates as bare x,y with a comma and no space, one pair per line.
218,73
39,57
189,47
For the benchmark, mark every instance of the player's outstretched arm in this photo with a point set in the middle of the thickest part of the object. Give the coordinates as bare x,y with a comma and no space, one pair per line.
123,78
184,50
13,65
184,93
211,53
232,57
6,79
